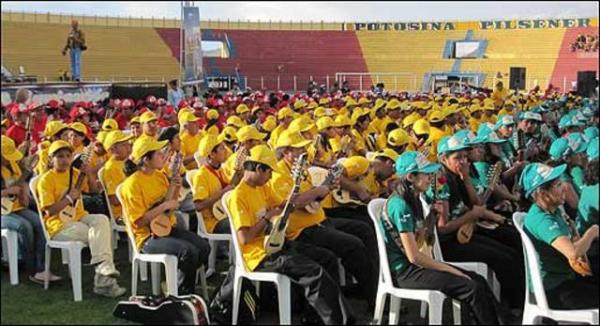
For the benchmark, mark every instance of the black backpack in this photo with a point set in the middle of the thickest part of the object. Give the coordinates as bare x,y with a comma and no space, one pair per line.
221,307
171,310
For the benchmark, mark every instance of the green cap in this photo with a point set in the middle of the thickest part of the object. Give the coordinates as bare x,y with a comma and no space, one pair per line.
569,120
565,146
536,174
414,162
531,116
591,132
504,120
592,149
452,143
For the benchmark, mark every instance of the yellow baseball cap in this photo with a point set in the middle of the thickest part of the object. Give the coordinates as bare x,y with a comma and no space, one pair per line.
242,108
228,134
397,137
134,120
269,125
379,103
264,155
410,119
313,105
393,104
114,137
187,117
58,145
290,138
9,150
208,143
147,117
79,127
144,145
342,121
248,133
324,101
301,124
421,127
212,114
357,114
474,108
256,108
54,127
387,152
355,166
324,123
110,124
299,104
184,110
351,102
284,113
437,116
235,121
363,100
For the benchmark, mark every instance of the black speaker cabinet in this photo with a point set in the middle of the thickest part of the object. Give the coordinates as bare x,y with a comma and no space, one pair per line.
586,83
517,78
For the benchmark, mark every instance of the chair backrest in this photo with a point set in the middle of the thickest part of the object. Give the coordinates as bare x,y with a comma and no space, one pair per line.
33,187
532,267
101,179
189,177
125,218
198,158
375,209
239,259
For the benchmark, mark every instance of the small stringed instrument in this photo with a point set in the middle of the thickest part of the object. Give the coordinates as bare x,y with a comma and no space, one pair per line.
465,232
217,208
581,265
8,203
161,224
335,172
344,197
275,239
424,236
68,213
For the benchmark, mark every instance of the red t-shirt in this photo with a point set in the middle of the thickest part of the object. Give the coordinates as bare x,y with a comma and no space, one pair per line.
121,120
37,130
17,133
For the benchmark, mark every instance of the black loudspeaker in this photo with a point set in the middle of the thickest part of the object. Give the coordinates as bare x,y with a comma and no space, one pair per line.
586,83
517,78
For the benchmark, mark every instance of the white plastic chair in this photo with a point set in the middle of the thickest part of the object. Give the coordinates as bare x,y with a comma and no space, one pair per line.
169,261
532,311
199,159
10,250
435,299
71,250
281,281
211,237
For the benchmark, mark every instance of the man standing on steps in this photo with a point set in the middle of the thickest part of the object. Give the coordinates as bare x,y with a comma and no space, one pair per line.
75,44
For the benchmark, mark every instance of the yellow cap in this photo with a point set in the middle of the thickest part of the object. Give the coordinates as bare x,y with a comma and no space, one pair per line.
421,127
488,108
101,136
351,102
184,110
301,124
208,143
249,133
474,108
143,146
324,123
9,150
255,108
313,105
363,100
79,127
342,121
54,127
58,145
110,124
228,134
509,102
134,120
397,137
147,117
212,114
115,137
387,152
264,155
324,101
393,104
299,104
187,117
358,113
290,138
379,103
437,116
235,121
269,125
355,166
410,119
284,112
242,108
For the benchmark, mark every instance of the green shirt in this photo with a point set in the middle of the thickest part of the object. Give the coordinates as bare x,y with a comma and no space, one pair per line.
577,179
403,219
587,208
543,228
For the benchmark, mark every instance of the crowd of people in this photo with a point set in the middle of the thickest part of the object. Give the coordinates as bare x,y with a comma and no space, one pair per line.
461,164
585,43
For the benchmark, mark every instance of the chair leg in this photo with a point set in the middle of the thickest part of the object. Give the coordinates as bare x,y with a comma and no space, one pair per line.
65,256
47,266
212,257
143,270
237,289
115,240
342,273
423,312
171,276
529,317
155,270
12,246
379,306
285,302
456,312
202,275
436,306
134,276
75,269
394,310
130,251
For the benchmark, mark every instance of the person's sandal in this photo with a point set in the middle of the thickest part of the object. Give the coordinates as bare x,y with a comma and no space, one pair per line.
53,278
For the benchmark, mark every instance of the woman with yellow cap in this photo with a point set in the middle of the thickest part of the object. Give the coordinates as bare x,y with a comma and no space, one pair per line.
21,219
321,150
142,196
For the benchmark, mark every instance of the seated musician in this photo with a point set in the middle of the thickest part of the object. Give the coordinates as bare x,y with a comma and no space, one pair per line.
55,130
20,218
380,178
56,189
190,138
119,146
348,239
362,136
209,183
500,248
321,151
247,137
253,206
570,150
413,269
150,128
284,118
140,193
588,204
556,240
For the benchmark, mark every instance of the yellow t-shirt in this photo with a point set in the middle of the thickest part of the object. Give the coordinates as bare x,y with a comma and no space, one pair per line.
139,193
282,183
379,124
9,177
275,134
247,205
204,185
51,188
43,158
229,167
113,175
370,182
325,155
189,146
359,142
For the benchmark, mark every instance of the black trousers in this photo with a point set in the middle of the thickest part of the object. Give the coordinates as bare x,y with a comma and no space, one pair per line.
474,292
579,293
502,259
357,213
320,290
190,249
350,248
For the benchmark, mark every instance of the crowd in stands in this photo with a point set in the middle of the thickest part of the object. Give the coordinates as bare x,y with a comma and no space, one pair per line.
585,43
422,152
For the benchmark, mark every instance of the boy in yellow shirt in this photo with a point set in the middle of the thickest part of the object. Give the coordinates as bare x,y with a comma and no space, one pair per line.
118,144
